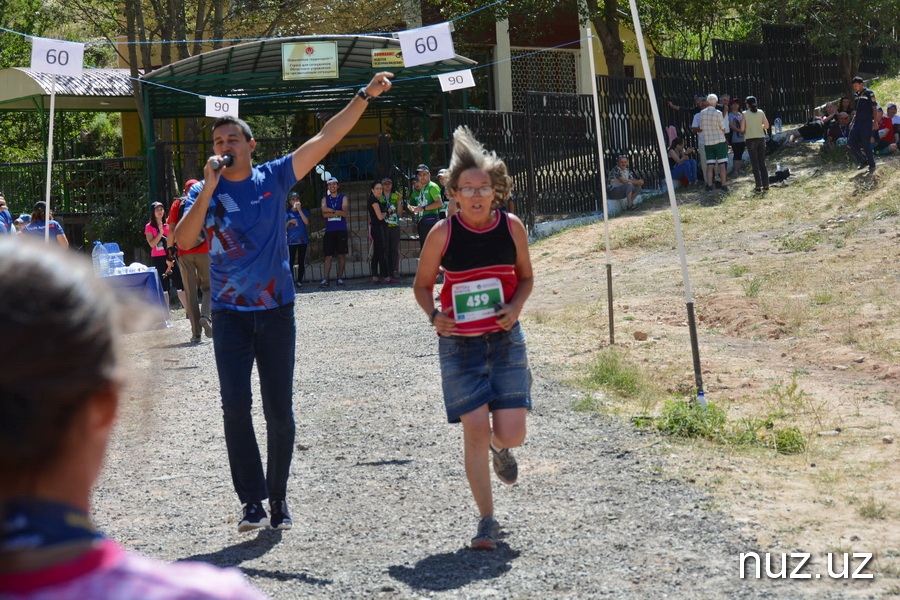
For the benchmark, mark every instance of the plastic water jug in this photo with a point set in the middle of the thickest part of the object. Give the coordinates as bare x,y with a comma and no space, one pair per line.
777,124
100,258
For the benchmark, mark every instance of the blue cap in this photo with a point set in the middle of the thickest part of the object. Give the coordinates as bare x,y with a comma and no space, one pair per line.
24,218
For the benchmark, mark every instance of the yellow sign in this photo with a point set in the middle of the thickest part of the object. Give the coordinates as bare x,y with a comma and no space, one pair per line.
310,60
387,57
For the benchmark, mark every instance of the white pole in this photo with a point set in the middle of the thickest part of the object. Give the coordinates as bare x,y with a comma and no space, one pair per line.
49,159
663,154
590,50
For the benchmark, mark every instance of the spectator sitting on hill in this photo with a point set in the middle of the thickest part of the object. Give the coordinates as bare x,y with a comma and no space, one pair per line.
829,114
884,137
845,104
680,162
839,131
895,120
622,184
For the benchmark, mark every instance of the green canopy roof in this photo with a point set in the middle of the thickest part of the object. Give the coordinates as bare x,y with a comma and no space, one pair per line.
252,72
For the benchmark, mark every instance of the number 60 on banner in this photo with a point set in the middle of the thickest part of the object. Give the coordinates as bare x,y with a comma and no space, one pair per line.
426,44
57,57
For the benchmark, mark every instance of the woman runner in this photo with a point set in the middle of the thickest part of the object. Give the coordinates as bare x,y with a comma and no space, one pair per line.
486,379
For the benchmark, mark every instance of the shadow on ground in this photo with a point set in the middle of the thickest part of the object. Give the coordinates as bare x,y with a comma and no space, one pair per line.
234,555
453,570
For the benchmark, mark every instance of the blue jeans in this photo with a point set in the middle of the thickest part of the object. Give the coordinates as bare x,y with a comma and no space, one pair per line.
484,369
268,337
687,168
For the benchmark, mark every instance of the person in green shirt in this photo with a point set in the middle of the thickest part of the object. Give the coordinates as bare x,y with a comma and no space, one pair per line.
426,202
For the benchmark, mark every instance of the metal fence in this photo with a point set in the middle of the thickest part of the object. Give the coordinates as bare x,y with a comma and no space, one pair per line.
88,197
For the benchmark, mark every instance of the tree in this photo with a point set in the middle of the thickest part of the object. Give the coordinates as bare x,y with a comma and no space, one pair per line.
840,28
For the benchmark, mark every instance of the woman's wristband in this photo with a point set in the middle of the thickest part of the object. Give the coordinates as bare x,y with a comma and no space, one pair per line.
433,315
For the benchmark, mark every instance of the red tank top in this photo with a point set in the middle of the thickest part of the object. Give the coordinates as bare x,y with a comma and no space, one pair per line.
473,254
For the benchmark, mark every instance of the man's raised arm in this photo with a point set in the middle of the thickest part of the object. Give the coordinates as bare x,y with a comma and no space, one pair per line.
315,149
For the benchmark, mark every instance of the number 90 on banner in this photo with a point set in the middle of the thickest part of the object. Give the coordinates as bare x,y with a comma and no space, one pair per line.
456,80
221,107
426,44
56,57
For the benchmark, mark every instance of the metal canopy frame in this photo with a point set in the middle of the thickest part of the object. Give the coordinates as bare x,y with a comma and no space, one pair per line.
252,73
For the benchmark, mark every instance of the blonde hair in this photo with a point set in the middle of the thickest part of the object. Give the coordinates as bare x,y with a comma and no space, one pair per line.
469,153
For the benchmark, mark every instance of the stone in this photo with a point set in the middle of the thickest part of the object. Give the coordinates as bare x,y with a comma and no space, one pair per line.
640,336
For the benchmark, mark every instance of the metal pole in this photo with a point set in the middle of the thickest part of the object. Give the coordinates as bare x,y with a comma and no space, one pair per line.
602,170
688,294
49,160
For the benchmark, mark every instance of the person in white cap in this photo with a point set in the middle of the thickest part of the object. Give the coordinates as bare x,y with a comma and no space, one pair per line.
335,209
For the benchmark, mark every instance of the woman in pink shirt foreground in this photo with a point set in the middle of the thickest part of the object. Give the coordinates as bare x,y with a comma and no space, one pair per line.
57,409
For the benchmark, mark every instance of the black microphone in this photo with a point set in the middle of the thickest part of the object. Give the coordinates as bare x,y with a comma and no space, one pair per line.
218,163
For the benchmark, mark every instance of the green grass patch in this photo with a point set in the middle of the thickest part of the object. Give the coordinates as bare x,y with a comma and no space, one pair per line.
803,242
682,418
613,371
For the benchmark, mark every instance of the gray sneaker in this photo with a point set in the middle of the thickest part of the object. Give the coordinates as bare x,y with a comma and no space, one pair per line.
505,466
486,538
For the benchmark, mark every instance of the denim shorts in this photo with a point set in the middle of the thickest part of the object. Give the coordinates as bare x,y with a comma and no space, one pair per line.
487,369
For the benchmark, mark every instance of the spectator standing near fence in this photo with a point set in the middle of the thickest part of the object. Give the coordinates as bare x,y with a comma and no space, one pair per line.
335,242
427,202
297,220
754,125
38,224
241,207
713,127
6,220
860,141
701,146
737,138
194,263
393,202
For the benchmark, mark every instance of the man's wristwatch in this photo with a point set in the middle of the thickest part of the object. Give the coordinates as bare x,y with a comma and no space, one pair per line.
365,95
433,315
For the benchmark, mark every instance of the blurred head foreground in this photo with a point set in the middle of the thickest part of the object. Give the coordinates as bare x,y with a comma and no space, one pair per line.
62,323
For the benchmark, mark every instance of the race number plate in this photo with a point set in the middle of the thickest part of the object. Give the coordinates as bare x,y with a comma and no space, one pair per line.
474,300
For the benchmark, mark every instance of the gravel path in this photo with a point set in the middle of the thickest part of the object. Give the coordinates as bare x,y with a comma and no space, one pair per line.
378,492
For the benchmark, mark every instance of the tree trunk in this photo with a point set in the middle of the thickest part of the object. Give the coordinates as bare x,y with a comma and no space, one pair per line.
606,24
849,66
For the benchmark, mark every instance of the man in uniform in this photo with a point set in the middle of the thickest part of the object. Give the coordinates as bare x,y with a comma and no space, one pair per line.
860,140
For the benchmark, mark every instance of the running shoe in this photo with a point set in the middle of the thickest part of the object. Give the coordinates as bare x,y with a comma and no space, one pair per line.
505,466
486,538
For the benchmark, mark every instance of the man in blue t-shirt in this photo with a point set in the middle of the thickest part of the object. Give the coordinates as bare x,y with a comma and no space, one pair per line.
860,139
240,208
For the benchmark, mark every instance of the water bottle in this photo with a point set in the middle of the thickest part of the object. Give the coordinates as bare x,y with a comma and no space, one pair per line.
777,124
701,399
777,167
100,258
